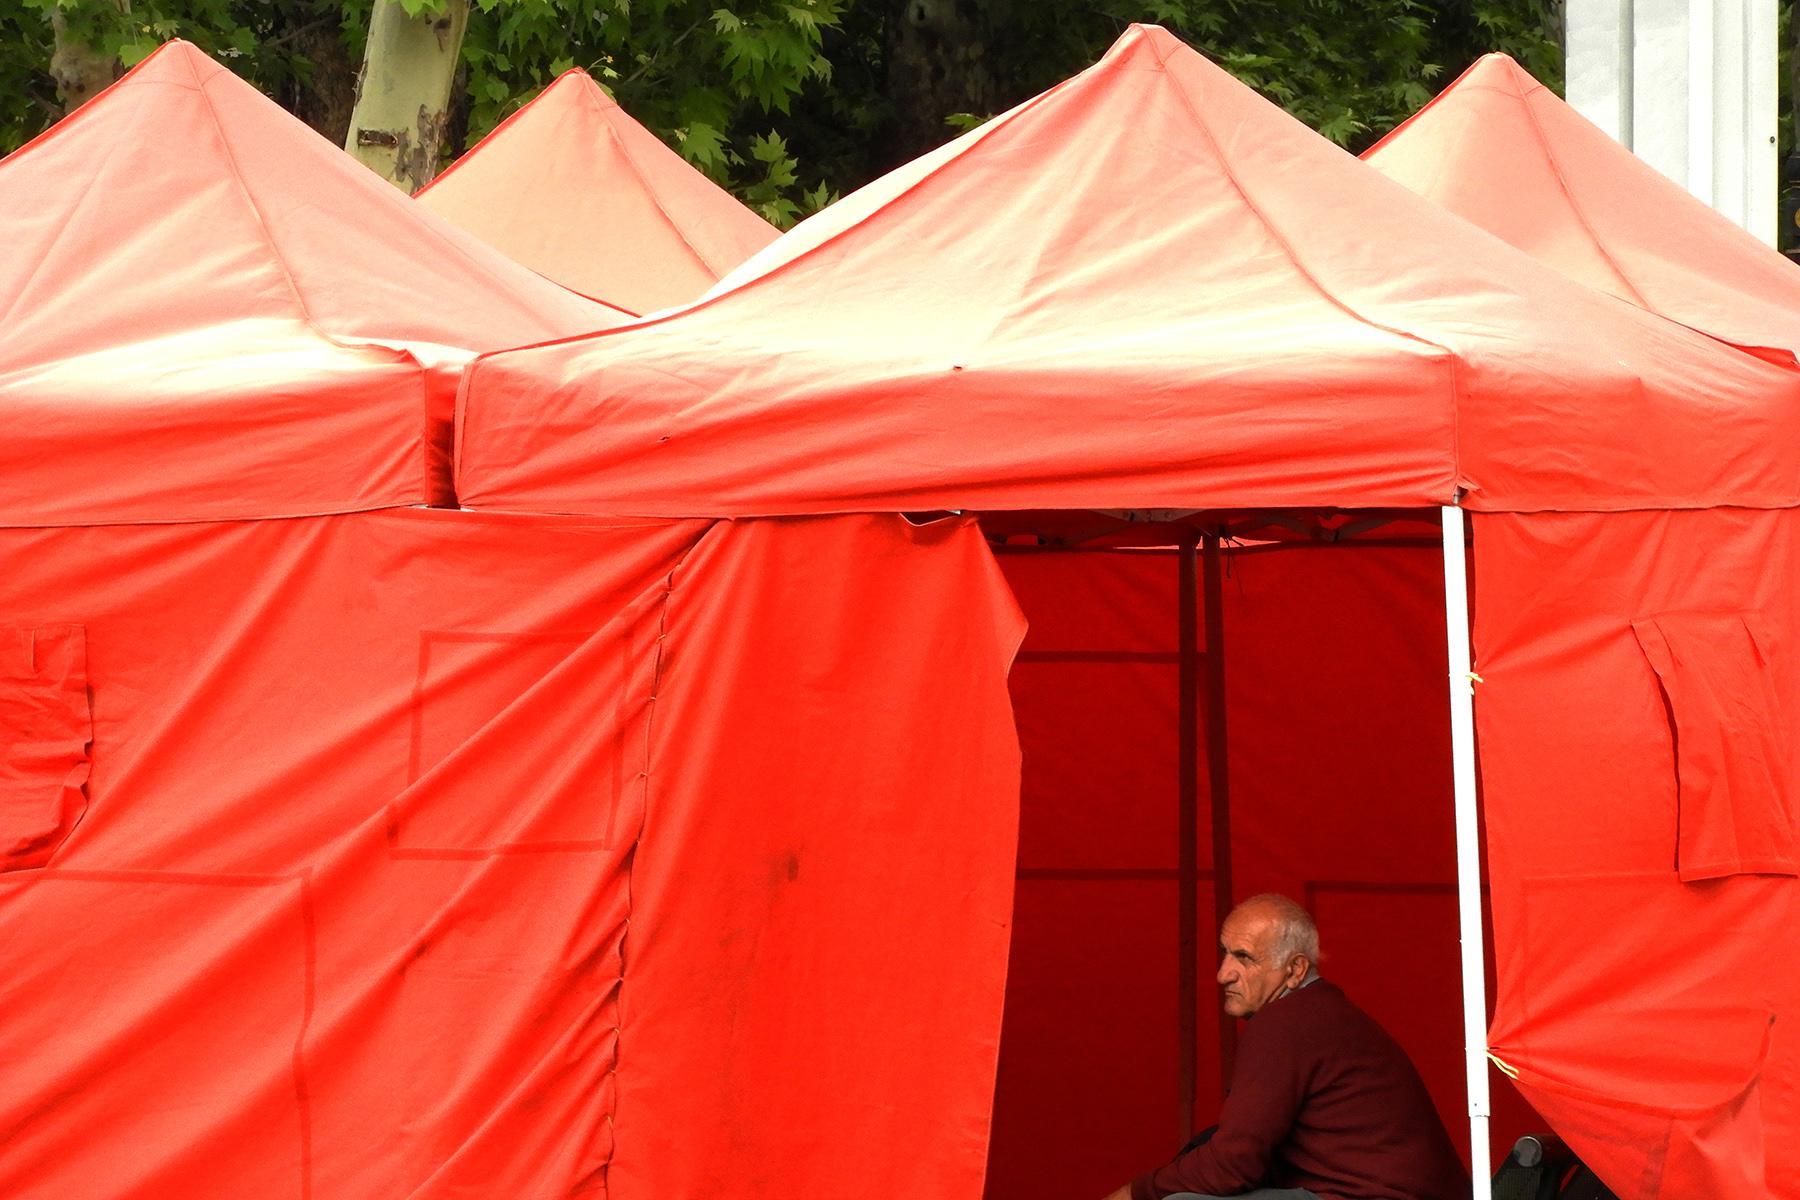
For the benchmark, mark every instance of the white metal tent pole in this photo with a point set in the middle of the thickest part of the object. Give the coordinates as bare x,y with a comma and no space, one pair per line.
1468,849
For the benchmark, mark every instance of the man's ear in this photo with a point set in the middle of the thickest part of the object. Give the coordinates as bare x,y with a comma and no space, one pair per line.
1299,967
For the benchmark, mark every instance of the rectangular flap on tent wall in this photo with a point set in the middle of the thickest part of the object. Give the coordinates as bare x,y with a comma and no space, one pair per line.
45,731
1731,757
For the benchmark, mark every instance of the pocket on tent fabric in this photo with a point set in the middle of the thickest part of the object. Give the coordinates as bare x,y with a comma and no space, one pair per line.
46,728
1731,758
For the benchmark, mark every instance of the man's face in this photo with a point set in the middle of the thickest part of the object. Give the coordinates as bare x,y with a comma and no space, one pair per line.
1250,974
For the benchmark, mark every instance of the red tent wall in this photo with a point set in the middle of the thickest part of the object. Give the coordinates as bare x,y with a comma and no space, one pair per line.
418,858
825,882
1639,689
1339,783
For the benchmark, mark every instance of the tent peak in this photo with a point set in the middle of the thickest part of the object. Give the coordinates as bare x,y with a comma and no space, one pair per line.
1495,71
1143,46
1163,277
275,208
578,80
1498,67
156,66
1144,41
169,59
1506,153
575,188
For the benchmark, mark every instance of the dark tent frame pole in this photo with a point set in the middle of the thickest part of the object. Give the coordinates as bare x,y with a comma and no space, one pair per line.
1188,827
1218,770
1219,797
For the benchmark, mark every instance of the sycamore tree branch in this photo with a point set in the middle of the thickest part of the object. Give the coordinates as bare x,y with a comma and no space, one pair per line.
670,48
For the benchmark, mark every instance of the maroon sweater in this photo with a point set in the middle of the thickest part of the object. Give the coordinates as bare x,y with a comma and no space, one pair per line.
1323,1099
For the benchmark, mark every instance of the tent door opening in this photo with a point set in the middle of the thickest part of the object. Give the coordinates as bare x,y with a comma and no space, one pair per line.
1213,705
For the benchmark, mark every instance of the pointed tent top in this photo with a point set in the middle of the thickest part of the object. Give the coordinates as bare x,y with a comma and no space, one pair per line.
255,273
1147,287
1503,151
574,188
183,196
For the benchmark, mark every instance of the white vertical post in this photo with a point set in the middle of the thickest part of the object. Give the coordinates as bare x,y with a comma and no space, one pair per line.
1702,55
1761,118
1468,849
1706,116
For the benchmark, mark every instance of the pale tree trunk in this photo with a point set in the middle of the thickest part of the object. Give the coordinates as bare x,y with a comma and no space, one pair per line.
80,69
403,94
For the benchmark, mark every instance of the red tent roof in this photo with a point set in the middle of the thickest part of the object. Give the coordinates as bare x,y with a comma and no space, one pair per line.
207,310
1500,149
574,188
1146,287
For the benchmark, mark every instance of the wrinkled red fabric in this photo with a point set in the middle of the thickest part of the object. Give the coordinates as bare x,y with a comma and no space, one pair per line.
440,854
1635,996
1147,287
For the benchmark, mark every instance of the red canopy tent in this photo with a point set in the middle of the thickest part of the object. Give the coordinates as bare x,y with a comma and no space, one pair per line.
1501,150
574,188
1149,289
229,266
331,825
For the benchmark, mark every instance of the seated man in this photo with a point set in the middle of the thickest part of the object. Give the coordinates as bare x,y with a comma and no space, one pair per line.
1323,1103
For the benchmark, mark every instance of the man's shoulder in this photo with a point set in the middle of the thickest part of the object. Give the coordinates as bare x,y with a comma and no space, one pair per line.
1320,1009
1320,998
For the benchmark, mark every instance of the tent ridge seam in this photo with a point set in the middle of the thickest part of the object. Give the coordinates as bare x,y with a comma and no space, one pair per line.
1568,193
1287,248
649,190
262,225
72,120
426,228
502,288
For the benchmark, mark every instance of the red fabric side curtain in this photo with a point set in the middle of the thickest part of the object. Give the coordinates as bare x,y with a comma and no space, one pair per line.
1729,758
1623,655
1715,1149
45,730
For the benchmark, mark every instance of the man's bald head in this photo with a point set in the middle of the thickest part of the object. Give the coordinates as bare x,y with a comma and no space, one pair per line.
1295,931
1268,946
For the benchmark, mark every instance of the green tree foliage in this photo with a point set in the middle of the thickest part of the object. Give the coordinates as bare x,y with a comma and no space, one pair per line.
276,44
788,102
27,96
1352,69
